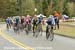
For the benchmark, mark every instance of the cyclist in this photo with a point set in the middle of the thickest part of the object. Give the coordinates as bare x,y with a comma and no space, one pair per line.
40,20
14,23
17,21
17,24
35,23
21,23
27,19
50,22
8,22
27,22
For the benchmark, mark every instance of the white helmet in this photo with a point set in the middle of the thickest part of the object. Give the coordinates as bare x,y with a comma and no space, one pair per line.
28,15
51,16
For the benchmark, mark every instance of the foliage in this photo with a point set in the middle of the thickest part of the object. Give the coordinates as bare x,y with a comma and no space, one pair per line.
46,7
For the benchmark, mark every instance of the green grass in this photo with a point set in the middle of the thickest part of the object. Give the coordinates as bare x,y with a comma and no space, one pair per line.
2,22
68,23
64,30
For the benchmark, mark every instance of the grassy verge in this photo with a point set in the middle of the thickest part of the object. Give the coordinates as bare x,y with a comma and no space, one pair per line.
2,22
70,23
64,30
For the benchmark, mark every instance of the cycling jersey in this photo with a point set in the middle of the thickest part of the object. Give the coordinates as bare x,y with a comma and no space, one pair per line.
40,19
51,21
35,22
27,20
22,21
7,21
17,20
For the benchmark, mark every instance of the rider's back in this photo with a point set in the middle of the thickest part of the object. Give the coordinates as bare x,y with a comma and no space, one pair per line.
7,21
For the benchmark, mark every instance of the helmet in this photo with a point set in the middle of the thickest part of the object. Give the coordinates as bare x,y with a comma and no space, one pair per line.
28,15
8,17
17,17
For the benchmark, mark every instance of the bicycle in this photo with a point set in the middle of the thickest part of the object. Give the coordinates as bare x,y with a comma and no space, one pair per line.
16,28
26,28
7,26
40,28
50,33
35,30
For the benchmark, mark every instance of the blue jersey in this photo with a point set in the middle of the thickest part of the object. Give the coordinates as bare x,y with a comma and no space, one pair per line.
40,19
7,21
51,21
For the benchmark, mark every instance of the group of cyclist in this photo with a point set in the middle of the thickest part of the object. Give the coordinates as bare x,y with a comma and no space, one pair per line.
34,23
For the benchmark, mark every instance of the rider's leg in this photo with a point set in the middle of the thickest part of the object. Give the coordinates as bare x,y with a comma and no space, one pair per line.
33,28
47,32
46,28
7,26
58,25
52,33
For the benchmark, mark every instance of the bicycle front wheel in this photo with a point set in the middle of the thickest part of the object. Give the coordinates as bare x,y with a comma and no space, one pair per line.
51,35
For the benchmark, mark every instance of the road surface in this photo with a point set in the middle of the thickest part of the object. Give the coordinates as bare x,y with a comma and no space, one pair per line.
39,43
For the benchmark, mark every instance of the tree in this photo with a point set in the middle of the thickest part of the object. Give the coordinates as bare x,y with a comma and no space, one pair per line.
45,7
28,7
3,7
7,8
70,8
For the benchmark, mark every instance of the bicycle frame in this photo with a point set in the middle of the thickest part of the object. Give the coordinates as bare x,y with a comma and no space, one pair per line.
50,33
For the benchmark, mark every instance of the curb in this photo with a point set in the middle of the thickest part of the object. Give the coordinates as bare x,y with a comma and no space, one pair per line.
68,25
2,22
64,35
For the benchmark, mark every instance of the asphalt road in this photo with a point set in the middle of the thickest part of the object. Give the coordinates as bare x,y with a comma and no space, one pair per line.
39,43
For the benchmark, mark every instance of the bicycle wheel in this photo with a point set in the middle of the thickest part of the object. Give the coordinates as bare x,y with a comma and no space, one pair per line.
34,30
17,28
7,26
51,35
27,31
48,34
40,29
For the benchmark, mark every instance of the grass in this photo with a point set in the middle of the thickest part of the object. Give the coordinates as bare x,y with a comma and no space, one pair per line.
70,23
2,22
64,30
